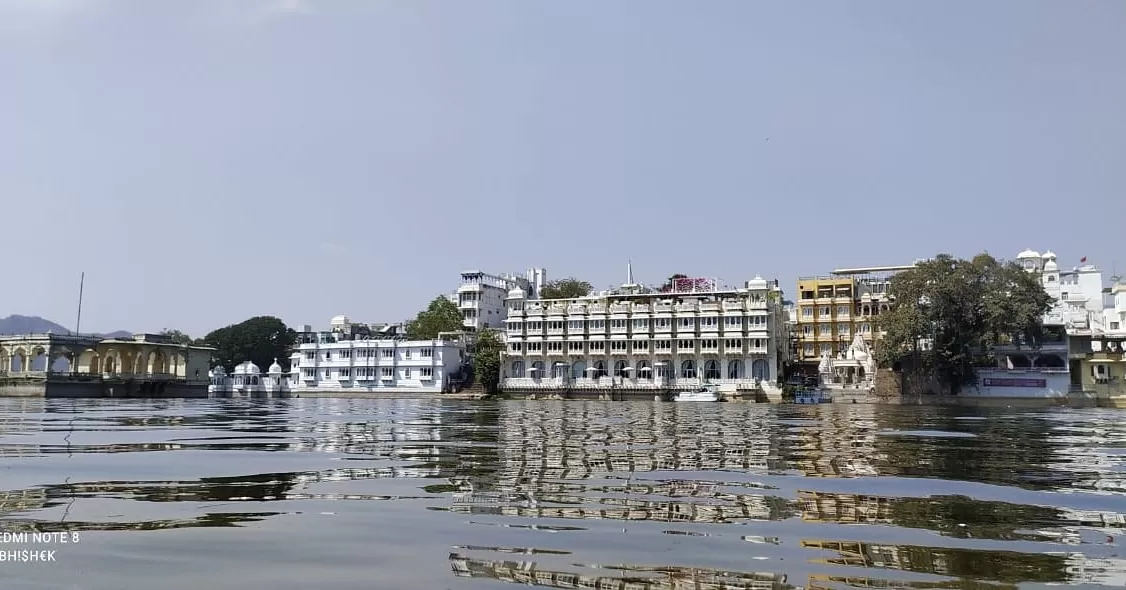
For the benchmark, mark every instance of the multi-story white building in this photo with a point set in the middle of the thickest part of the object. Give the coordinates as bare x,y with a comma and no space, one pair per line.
1057,368
352,357
634,337
481,296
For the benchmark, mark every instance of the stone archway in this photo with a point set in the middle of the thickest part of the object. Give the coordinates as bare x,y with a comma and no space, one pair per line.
157,363
17,360
111,362
89,361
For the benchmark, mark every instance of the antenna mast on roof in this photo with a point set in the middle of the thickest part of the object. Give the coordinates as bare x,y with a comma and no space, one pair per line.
78,322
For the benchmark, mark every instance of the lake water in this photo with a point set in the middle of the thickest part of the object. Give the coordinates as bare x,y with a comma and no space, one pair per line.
436,494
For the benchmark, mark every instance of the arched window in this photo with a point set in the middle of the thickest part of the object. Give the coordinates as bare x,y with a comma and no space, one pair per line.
688,369
518,368
620,369
599,369
760,370
711,370
735,369
558,370
644,371
537,369
578,370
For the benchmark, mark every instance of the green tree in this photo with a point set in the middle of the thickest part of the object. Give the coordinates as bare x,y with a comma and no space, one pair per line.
259,339
568,288
487,359
442,315
963,307
668,284
177,336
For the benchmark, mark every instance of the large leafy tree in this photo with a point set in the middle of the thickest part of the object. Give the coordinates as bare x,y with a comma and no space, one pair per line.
487,359
962,308
259,339
178,337
568,288
442,315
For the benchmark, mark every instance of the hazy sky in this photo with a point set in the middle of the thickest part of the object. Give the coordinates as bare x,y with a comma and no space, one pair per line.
204,161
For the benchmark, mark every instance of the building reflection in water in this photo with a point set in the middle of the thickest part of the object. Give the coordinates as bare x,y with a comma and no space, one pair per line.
644,578
704,469
596,461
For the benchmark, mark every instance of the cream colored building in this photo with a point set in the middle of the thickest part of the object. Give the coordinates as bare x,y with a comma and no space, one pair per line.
90,366
636,337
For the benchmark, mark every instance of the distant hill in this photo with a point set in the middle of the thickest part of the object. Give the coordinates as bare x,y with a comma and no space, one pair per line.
23,324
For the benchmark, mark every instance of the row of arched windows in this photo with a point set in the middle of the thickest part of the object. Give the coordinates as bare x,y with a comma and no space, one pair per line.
710,369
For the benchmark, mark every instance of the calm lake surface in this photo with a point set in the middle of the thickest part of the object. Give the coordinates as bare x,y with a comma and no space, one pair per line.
435,494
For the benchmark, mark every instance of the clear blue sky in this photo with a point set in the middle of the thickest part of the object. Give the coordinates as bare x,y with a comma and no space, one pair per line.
208,160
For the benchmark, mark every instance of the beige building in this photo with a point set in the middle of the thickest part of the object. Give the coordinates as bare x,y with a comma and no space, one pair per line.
60,365
832,310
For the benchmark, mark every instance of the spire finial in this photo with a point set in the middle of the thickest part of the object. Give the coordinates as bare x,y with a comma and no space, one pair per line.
629,272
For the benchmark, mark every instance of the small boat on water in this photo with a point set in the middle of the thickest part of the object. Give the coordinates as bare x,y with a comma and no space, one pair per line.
704,393
812,396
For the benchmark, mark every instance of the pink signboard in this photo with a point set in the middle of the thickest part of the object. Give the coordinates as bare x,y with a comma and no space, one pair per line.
1006,382
693,285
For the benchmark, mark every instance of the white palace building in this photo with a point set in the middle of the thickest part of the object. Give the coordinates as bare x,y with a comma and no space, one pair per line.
686,334
350,358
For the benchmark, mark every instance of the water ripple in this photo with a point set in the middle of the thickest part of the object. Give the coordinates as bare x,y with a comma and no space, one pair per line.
337,493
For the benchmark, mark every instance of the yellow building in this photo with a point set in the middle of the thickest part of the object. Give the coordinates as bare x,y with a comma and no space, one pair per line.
833,309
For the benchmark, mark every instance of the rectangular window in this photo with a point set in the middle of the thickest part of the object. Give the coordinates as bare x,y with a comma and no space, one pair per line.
387,372
387,353
407,373
426,373
345,372
426,352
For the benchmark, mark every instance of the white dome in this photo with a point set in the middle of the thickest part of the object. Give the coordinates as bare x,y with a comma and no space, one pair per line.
275,368
860,355
1028,254
217,372
1050,265
1049,255
340,320
247,368
757,283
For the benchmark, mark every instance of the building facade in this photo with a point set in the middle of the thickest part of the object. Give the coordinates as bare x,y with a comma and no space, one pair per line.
832,310
1080,355
247,380
481,296
355,359
634,337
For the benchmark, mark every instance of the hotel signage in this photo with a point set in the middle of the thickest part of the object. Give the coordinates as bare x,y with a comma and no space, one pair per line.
1005,382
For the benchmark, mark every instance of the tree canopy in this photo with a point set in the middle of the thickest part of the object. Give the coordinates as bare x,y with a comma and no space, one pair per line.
487,359
178,337
568,288
260,339
668,283
442,315
963,307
